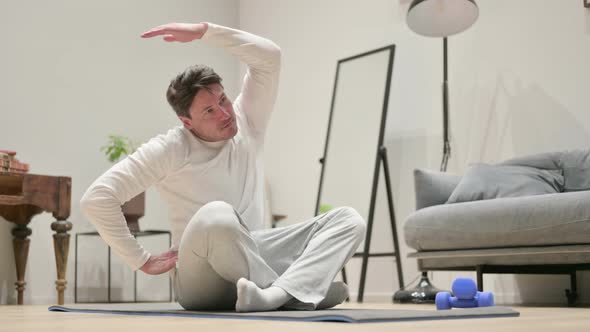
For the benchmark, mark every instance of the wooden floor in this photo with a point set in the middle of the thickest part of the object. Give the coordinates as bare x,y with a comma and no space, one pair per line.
38,318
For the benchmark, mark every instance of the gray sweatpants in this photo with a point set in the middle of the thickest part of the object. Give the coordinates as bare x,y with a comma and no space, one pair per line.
217,249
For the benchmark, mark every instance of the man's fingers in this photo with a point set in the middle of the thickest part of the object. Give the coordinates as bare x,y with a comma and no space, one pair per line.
151,33
171,253
169,266
155,32
163,267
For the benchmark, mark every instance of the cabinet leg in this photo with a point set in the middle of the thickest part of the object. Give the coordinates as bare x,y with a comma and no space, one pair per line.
20,245
61,244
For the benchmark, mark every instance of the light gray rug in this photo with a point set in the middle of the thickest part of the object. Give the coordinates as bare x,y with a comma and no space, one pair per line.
331,315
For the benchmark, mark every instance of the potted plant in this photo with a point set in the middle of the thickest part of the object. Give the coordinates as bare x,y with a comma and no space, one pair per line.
325,208
116,148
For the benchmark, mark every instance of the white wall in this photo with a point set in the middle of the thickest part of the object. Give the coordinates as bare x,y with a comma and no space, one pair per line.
72,73
517,86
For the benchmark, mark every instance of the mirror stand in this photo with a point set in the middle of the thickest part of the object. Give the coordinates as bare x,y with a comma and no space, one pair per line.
355,157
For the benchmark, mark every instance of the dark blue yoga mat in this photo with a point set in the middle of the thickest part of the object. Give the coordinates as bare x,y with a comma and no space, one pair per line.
330,315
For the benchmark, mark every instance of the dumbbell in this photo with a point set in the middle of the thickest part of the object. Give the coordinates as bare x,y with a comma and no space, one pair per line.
466,296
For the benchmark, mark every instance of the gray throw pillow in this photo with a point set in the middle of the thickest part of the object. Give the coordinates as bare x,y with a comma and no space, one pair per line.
574,163
483,181
433,187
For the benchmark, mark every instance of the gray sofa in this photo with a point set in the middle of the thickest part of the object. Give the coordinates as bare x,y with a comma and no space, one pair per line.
546,233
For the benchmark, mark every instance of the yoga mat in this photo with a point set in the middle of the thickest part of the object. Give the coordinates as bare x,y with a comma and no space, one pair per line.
330,315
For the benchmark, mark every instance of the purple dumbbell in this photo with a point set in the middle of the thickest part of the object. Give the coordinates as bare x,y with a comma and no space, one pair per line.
466,296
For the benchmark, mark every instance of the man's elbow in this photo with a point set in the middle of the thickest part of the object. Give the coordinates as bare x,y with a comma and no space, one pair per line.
273,54
94,198
275,50
88,201
276,53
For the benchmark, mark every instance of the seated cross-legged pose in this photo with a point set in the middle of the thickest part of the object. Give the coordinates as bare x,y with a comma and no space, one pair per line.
209,171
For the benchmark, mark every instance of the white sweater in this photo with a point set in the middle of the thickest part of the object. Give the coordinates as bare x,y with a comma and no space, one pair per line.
189,172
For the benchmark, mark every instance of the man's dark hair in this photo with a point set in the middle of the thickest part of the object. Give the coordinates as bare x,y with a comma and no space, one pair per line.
185,86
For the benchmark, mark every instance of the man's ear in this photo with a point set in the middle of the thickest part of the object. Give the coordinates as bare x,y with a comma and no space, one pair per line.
186,122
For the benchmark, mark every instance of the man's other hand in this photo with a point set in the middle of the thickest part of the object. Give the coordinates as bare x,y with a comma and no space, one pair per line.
158,264
178,32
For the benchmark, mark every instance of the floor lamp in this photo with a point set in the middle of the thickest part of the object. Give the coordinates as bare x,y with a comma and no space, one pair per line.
437,18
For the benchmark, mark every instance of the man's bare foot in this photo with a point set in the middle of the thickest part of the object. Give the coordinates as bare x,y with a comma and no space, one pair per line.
252,298
337,293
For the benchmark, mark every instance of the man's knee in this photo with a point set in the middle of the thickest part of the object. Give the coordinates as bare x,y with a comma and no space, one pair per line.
213,211
212,221
351,218
217,217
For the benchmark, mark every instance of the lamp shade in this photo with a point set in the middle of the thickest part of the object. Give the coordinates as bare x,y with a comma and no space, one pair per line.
441,18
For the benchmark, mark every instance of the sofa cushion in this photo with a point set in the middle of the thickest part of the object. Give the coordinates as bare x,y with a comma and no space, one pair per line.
576,169
575,165
483,181
552,219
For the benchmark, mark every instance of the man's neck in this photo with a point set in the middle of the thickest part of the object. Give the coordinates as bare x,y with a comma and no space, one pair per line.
211,144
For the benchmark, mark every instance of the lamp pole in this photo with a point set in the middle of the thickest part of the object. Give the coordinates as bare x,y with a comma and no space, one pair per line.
446,141
425,292
437,18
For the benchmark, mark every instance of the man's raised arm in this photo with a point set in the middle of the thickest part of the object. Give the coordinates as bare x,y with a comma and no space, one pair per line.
262,56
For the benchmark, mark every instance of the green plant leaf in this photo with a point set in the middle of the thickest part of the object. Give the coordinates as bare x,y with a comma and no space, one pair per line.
117,147
325,208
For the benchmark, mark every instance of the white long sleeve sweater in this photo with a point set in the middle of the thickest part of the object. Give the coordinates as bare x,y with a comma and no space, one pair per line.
189,172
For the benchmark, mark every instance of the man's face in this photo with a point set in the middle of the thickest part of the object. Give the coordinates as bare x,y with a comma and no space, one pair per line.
212,115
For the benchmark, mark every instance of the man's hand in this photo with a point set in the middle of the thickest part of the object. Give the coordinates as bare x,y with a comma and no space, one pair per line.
158,264
179,32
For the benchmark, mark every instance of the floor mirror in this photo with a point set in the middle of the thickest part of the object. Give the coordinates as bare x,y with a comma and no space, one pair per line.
354,152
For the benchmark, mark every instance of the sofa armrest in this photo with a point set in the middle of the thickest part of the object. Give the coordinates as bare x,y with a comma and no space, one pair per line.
433,187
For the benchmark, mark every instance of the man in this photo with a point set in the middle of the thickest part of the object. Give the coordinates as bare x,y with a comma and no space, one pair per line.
210,173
